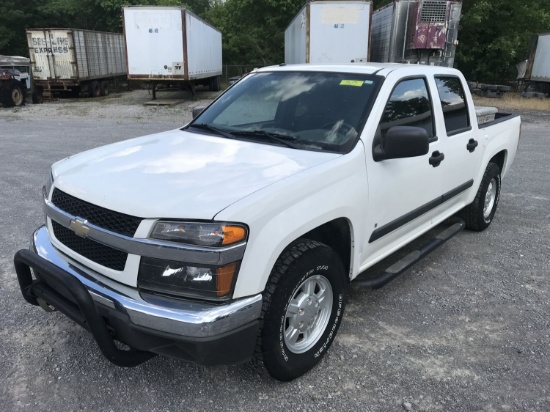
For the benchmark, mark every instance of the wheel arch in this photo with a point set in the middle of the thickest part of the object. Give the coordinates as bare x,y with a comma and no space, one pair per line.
337,234
500,159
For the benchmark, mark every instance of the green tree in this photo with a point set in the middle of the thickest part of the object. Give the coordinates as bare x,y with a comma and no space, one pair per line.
495,35
105,15
253,31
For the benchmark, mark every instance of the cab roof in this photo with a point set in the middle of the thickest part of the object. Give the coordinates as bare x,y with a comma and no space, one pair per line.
381,69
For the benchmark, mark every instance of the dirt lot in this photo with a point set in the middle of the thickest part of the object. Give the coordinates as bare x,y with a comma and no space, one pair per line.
467,329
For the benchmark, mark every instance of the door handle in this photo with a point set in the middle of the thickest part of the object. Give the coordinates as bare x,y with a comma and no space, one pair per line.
471,146
436,158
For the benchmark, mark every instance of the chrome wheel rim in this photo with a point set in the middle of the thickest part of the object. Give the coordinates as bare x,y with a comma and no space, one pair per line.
490,198
307,314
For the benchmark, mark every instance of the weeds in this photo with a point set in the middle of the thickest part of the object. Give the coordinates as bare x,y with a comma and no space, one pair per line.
514,101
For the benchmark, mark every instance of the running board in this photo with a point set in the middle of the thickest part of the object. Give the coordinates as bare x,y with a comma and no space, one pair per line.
401,266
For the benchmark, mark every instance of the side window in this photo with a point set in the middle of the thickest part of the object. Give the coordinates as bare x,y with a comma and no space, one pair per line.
455,110
409,105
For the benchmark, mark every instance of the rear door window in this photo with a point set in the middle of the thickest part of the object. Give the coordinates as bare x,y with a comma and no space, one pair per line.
453,102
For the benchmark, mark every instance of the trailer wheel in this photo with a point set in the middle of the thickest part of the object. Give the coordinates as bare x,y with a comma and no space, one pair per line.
37,97
12,94
94,89
216,82
104,88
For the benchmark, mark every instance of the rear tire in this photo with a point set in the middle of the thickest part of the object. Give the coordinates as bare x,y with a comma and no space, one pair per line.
104,88
304,302
37,97
94,89
479,214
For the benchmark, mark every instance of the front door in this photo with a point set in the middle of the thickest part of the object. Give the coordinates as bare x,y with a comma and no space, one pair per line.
403,193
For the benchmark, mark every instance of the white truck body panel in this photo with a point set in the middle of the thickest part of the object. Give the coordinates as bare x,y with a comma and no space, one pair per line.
71,54
170,43
261,211
541,63
168,163
391,190
281,193
329,32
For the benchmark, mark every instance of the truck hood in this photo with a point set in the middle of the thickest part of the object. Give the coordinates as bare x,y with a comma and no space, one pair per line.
178,174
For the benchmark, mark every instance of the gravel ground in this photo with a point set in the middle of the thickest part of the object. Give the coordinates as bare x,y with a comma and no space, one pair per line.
467,329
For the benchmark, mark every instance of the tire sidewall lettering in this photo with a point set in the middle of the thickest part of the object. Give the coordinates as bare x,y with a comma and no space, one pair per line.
325,340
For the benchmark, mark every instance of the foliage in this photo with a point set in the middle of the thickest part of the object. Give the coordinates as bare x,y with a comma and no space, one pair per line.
495,35
253,31
105,15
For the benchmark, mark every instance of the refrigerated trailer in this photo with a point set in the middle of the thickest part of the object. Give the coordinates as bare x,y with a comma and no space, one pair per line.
535,71
75,60
329,32
416,32
172,46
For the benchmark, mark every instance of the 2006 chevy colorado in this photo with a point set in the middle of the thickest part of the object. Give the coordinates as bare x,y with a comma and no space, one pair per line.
235,237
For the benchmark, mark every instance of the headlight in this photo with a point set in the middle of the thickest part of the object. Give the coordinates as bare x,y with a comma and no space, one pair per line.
188,280
200,234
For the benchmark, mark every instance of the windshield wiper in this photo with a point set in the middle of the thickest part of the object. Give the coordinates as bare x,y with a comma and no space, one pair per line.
281,138
207,126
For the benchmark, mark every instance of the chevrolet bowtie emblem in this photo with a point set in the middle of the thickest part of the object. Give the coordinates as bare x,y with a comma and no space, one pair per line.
79,227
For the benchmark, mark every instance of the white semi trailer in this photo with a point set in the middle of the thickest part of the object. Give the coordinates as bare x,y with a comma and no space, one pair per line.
75,60
172,46
329,32
535,71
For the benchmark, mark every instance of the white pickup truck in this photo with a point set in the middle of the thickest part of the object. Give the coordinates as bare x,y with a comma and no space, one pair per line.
236,236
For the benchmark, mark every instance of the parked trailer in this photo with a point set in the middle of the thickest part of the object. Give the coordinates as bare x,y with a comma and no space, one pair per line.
329,32
417,32
535,71
172,46
75,60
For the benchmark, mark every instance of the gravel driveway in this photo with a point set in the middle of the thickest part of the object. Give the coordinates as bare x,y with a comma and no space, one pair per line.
467,329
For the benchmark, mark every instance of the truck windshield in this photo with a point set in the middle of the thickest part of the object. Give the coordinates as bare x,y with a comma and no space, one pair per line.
305,110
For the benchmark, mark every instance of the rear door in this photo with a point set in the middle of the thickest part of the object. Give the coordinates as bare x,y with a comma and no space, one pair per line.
458,133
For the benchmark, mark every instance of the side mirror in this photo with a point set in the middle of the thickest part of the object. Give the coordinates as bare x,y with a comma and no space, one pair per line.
198,110
401,142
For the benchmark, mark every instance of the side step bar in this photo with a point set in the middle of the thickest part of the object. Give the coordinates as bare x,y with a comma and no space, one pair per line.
401,266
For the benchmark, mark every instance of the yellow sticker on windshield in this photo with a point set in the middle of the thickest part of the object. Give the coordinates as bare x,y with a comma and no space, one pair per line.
356,83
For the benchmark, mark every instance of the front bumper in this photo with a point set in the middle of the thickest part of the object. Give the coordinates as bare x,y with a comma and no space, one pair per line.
204,333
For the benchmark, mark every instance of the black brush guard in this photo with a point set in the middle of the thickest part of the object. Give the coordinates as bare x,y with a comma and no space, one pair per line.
78,305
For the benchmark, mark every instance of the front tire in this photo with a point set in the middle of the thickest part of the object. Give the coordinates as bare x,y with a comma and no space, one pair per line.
12,94
479,214
303,307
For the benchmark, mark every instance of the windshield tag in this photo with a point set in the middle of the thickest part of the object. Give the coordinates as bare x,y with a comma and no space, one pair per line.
356,83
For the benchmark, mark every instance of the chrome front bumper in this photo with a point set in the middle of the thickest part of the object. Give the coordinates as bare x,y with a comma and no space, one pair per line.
175,317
